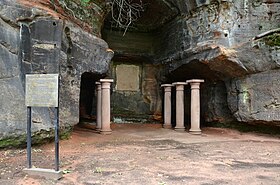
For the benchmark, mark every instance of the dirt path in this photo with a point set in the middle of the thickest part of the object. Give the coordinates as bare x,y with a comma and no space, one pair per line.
148,154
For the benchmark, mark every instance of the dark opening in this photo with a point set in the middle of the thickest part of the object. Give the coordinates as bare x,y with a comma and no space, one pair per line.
88,97
213,96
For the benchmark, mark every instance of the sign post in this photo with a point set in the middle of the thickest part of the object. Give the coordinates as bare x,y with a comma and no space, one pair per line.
42,90
29,118
56,139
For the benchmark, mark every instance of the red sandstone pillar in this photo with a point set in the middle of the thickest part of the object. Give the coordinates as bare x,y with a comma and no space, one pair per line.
179,105
98,106
167,105
105,106
195,106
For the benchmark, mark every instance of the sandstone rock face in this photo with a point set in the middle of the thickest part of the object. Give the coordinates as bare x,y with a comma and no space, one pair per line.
219,41
255,98
136,99
221,36
36,40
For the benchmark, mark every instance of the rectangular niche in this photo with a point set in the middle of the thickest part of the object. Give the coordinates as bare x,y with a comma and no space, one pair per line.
127,77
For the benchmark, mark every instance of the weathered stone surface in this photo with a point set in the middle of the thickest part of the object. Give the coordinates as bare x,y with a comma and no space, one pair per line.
81,52
11,10
255,98
214,103
33,40
91,13
8,63
141,104
135,44
124,83
13,110
85,52
212,40
217,35
9,40
220,35
69,87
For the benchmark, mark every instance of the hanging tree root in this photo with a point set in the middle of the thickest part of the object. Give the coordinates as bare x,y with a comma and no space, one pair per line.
125,12
270,32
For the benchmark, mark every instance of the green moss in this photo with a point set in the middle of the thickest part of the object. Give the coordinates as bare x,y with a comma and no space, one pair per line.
66,133
123,115
256,3
92,12
12,141
272,40
38,138
121,111
85,2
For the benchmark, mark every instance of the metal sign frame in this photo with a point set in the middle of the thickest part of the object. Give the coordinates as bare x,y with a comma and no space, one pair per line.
48,84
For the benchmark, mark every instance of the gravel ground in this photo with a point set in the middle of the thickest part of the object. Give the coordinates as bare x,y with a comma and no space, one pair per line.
148,154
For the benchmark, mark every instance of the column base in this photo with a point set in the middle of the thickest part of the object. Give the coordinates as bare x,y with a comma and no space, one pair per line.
167,126
105,132
46,173
180,129
195,131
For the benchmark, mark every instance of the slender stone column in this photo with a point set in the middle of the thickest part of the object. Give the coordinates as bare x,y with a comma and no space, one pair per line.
105,106
179,105
98,106
167,105
195,106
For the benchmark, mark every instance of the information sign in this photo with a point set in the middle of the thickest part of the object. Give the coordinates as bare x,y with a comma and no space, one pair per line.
41,90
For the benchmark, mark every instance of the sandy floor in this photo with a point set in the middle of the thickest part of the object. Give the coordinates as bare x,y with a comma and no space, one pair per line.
148,154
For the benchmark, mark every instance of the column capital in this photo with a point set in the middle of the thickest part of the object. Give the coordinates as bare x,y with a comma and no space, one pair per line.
98,84
166,85
106,80
105,83
179,85
195,81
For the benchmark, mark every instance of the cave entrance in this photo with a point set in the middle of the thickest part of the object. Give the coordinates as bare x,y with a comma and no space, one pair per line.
213,93
87,108
138,69
136,95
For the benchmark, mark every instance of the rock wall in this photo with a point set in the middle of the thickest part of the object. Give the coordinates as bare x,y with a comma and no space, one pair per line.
136,93
255,98
223,35
139,100
214,40
38,40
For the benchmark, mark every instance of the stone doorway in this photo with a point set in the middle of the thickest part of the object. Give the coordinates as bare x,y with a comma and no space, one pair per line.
87,108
